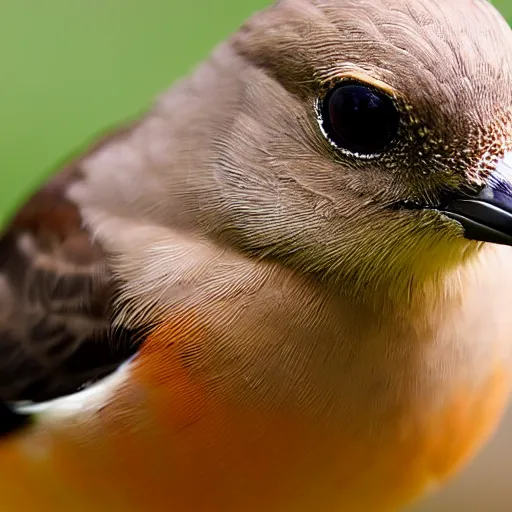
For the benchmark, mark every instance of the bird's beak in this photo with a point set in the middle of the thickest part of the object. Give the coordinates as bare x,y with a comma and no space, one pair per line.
487,216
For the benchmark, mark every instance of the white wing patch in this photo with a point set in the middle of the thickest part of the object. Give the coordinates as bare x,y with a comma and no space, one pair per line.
86,400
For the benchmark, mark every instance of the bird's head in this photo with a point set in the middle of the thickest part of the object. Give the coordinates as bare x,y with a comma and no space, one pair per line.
372,138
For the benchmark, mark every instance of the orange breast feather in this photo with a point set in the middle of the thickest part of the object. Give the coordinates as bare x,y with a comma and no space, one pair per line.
169,440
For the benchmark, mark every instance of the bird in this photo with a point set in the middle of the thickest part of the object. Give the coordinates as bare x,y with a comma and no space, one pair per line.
285,287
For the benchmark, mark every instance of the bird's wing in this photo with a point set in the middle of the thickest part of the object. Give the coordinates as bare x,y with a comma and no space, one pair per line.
55,300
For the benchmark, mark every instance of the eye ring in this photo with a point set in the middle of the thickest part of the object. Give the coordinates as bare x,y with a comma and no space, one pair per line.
358,119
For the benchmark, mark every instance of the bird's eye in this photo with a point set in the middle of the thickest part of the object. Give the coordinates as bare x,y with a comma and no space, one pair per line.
359,118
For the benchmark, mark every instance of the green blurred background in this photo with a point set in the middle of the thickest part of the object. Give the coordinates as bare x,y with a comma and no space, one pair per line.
71,68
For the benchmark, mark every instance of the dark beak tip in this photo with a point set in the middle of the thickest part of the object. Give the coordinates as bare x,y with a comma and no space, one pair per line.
484,218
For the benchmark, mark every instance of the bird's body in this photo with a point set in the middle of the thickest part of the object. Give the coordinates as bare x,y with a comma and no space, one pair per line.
308,431
309,342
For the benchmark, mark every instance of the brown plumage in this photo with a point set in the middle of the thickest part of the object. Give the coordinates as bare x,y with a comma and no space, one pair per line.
56,294
326,303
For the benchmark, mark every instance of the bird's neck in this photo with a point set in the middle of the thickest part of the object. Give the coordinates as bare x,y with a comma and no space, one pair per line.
422,283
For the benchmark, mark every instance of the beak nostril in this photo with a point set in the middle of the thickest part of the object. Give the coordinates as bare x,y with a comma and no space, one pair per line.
500,181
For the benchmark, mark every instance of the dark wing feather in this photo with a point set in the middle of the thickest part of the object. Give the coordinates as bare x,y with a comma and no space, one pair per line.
55,298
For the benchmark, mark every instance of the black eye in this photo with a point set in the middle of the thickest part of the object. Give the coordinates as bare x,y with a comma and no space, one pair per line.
359,118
